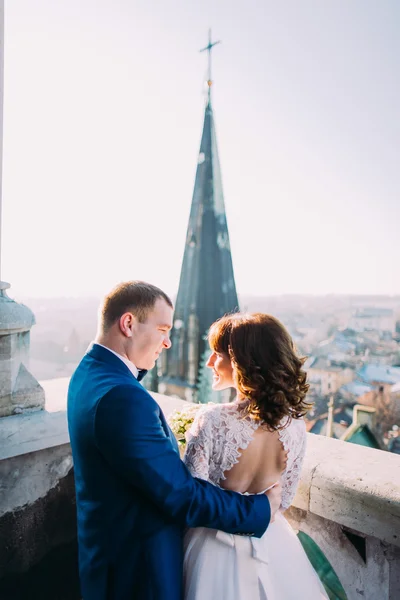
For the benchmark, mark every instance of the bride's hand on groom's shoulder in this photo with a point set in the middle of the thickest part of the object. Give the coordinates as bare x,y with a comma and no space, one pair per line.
275,498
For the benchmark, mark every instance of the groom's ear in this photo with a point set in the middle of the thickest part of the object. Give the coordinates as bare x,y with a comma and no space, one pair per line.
126,324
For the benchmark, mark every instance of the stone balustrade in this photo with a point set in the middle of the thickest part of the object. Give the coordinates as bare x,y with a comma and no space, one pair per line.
348,500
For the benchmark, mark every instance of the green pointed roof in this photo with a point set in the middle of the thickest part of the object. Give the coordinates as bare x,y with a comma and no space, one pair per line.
207,287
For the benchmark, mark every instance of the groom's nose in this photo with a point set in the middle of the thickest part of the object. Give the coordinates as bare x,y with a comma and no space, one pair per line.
167,342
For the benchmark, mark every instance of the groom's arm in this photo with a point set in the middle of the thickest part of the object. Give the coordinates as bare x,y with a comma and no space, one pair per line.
130,436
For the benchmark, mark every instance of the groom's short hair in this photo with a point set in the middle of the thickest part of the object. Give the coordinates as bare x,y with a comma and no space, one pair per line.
137,297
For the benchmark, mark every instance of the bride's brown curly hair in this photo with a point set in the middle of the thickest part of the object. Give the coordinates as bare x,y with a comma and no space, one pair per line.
267,370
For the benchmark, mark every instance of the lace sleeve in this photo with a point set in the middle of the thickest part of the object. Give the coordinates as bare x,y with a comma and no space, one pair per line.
294,441
198,440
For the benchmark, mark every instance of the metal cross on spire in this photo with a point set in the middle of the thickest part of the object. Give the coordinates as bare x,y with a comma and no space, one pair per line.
208,49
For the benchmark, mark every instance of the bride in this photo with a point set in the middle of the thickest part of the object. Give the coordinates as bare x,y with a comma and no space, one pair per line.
247,446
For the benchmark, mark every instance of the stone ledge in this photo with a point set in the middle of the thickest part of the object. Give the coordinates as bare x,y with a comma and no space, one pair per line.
353,486
40,429
32,432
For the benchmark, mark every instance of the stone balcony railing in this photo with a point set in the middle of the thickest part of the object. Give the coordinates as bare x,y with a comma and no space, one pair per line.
348,502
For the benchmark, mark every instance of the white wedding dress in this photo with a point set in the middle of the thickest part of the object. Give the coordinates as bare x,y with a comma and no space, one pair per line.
222,566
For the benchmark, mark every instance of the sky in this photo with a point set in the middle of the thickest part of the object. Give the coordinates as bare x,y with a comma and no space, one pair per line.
103,111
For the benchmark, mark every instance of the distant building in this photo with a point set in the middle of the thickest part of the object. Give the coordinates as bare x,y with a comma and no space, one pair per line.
342,419
374,385
373,319
354,425
355,389
343,342
394,440
396,390
376,375
382,396
73,347
326,377
362,429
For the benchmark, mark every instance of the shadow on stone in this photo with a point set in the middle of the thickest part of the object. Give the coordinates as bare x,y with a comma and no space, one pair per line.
38,549
55,577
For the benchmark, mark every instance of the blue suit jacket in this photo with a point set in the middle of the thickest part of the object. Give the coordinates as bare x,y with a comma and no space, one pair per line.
134,494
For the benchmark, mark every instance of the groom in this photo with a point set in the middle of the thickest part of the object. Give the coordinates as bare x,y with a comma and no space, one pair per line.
134,494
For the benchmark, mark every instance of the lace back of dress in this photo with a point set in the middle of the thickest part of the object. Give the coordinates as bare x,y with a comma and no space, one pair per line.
219,434
217,437
233,434
293,438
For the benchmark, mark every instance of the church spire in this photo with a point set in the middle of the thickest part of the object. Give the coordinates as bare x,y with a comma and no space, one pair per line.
207,286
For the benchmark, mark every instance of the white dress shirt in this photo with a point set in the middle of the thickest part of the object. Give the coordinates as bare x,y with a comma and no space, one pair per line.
133,369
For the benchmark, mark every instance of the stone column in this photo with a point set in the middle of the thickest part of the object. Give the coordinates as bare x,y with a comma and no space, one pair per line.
19,390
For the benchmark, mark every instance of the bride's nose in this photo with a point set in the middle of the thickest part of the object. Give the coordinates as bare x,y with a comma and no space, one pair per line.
211,361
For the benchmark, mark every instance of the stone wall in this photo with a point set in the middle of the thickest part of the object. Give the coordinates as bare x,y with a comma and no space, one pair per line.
40,530
38,550
348,501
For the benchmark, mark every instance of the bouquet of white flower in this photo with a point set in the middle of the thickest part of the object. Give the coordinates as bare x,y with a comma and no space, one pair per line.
181,420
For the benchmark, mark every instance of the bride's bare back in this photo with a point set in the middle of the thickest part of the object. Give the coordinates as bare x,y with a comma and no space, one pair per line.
234,452
259,466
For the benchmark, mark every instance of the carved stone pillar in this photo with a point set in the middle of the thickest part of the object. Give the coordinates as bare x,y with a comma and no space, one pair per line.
19,390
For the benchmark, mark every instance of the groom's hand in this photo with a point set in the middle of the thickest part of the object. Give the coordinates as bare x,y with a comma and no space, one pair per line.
275,499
